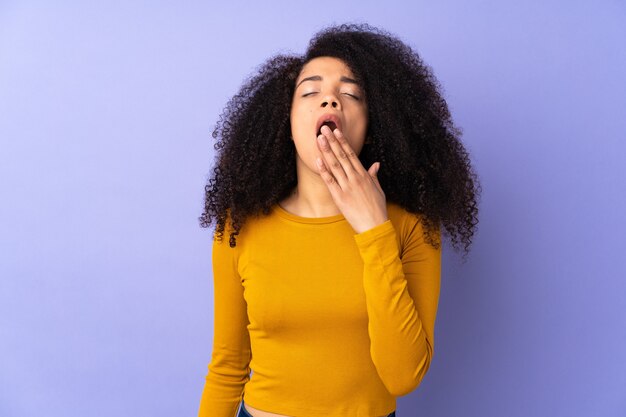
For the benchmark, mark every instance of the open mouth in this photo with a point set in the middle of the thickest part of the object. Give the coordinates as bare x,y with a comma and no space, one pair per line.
328,123
333,121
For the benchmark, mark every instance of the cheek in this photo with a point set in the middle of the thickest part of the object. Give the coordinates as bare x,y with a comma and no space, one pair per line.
303,137
301,120
359,128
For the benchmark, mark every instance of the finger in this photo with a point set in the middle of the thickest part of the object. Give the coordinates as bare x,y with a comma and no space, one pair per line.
339,150
373,172
374,168
353,158
335,163
328,178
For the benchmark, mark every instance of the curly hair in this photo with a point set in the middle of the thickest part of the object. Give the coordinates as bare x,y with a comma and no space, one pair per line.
424,166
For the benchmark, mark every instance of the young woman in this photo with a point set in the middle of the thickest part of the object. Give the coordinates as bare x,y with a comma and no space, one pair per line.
334,174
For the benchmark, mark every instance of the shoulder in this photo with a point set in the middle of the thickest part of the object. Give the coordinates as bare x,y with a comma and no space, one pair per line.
401,218
409,226
253,229
222,239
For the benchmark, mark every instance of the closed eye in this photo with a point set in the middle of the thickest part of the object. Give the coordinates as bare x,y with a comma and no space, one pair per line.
348,94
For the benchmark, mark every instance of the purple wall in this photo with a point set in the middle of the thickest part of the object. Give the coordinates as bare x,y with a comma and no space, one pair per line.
105,120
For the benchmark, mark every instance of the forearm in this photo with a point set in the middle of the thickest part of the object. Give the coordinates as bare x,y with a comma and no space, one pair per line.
223,389
401,338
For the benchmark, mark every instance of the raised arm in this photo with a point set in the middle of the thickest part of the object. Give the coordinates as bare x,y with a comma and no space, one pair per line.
402,294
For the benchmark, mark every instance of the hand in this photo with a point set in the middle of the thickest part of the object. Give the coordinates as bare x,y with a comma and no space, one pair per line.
356,192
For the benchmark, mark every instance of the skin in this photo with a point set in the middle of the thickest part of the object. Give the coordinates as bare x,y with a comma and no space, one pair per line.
340,184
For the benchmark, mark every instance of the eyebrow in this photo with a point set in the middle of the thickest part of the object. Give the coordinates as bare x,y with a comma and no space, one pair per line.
343,79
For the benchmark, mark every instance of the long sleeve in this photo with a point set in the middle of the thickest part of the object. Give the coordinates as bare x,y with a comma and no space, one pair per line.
229,368
402,285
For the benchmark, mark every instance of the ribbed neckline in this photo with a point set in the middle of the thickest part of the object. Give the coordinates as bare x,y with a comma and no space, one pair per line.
307,220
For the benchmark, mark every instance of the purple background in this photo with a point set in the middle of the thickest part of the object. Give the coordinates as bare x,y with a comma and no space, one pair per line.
105,119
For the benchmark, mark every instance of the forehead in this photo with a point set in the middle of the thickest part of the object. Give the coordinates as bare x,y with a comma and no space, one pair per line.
325,65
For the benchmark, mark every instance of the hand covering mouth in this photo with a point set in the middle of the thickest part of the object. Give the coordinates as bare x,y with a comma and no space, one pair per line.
330,120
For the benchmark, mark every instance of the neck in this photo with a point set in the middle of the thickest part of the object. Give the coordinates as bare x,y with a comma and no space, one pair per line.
311,197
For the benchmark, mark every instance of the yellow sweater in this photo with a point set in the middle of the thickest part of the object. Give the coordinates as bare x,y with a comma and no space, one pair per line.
331,323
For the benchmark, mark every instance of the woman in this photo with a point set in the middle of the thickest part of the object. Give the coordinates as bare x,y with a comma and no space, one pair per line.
329,292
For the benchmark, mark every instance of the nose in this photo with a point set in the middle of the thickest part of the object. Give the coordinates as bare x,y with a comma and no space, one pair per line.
330,100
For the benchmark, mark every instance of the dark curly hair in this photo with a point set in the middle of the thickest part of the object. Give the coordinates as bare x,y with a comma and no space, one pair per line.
424,167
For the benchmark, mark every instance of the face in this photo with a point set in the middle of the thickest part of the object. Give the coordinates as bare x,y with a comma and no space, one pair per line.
326,86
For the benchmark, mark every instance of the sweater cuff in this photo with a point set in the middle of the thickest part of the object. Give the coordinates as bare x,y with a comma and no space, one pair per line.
374,233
